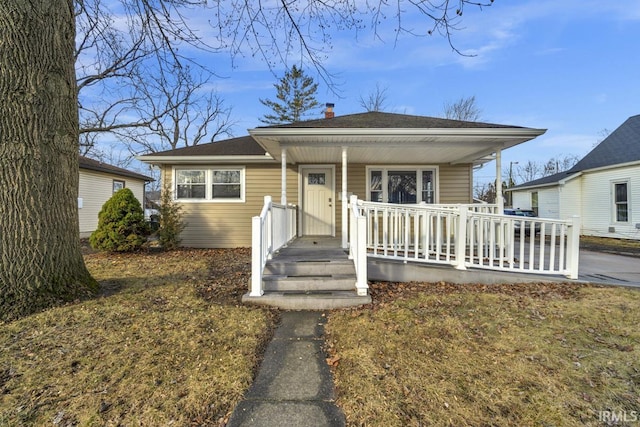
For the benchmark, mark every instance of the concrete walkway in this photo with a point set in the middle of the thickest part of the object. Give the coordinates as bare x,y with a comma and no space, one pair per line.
294,386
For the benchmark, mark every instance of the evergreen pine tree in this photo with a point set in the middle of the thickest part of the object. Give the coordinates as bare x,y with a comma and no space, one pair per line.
296,95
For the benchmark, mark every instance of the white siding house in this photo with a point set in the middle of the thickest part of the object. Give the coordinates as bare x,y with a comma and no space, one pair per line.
603,188
97,183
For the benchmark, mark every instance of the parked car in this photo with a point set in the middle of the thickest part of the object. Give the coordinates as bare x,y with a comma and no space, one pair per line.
528,213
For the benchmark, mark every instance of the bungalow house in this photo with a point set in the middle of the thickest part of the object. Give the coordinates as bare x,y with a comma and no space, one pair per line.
378,185
98,182
603,188
318,164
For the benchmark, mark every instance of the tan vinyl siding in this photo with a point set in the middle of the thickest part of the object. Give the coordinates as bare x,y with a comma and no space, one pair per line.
455,183
228,225
95,188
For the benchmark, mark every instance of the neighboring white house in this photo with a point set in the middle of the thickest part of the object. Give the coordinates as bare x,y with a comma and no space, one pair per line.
603,188
98,182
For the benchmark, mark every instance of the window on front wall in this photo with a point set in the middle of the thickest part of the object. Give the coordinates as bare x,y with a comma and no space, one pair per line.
402,185
118,185
191,184
210,184
226,184
621,201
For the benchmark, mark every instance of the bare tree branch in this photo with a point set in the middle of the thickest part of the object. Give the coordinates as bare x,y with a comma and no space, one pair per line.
376,100
463,109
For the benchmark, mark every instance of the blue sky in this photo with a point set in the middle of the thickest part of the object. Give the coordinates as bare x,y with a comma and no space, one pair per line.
569,66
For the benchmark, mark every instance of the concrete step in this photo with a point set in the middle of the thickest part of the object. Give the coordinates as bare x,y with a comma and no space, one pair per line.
309,268
333,282
309,300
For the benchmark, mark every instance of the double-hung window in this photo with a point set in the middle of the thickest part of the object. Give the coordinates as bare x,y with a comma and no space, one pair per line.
210,184
191,184
621,201
226,184
401,184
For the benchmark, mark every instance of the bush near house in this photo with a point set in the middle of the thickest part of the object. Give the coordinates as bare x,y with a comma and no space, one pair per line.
121,224
171,224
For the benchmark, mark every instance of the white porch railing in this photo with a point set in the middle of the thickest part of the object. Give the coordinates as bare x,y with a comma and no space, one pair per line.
271,230
461,236
358,245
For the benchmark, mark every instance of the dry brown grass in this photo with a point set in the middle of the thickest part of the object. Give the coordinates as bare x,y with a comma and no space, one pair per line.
605,244
533,355
150,351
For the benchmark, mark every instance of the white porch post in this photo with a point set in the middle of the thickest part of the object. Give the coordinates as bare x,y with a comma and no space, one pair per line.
499,199
283,185
283,189
345,227
573,247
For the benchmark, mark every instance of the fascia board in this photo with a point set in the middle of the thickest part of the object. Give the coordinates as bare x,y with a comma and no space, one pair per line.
451,132
205,159
615,166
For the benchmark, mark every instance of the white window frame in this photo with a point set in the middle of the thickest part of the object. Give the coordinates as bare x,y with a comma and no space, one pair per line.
409,168
208,181
614,203
118,181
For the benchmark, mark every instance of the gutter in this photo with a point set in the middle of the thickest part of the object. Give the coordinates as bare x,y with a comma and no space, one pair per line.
175,160
494,132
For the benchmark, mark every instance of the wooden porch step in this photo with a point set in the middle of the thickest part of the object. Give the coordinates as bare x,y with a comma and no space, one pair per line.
316,282
328,300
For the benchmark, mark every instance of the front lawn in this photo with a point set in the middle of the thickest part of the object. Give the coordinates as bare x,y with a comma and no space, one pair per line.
510,355
168,343
153,350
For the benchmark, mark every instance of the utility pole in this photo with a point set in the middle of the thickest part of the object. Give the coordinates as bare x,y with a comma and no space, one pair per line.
511,182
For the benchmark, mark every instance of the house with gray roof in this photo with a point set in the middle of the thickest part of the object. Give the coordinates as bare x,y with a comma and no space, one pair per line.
603,188
317,165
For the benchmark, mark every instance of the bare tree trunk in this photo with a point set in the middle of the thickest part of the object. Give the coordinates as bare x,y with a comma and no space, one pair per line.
40,259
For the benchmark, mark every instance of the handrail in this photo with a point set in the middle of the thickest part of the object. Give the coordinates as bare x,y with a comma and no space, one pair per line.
270,231
358,245
460,236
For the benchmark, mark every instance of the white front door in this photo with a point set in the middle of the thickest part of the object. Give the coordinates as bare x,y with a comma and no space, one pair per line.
317,201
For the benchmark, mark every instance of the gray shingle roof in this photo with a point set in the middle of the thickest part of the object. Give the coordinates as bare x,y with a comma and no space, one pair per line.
621,146
242,146
376,119
95,165
551,179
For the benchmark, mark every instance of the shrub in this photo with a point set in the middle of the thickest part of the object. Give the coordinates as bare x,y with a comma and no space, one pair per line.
171,224
121,224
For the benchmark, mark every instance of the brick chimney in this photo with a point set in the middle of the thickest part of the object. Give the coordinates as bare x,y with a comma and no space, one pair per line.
328,112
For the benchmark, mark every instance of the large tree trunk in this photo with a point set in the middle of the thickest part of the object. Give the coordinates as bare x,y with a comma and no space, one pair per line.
40,259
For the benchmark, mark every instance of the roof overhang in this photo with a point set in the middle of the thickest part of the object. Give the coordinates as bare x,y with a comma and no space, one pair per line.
191,160
391,145
562,181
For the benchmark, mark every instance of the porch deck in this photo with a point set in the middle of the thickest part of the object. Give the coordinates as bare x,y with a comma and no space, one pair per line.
400,243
